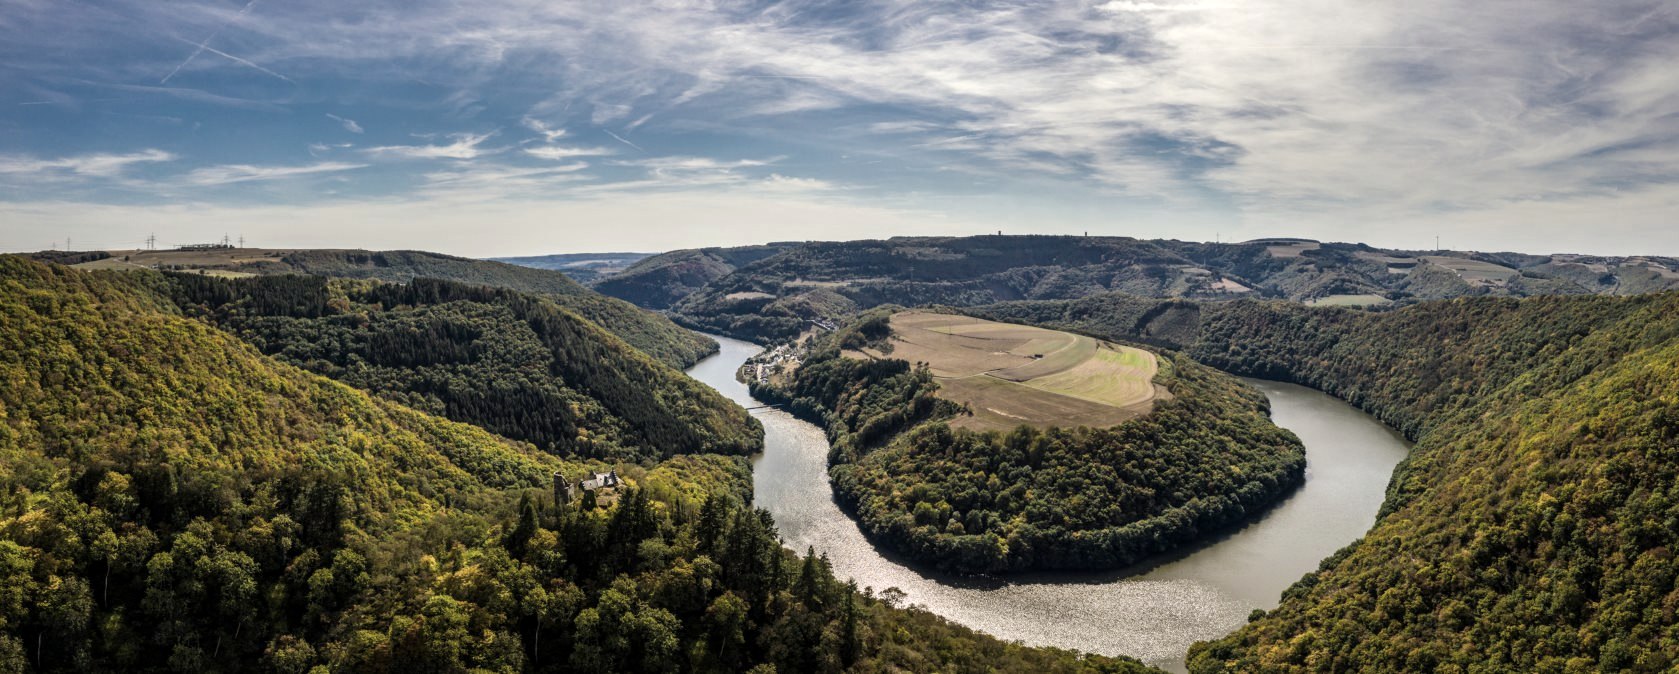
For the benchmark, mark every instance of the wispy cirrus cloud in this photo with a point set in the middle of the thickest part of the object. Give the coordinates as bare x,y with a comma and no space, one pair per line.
559,152
1327,114
465,146
100,165
549,134
681,163
241,173
349,125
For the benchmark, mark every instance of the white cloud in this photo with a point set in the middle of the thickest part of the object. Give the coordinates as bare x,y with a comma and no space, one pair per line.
499,227
548,134
88,165
558,152
475,182
318,149
1279,111
780,183
239,173
466,146
679,163
349,125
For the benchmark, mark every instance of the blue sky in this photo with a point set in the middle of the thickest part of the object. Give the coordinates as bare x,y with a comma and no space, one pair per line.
503,127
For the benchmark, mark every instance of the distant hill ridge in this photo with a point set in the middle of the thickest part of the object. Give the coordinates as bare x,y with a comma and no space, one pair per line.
654,334
581,267
774,291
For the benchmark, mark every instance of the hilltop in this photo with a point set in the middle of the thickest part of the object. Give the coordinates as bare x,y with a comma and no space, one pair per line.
1523,532
644,330
772,292
177,501
1009,448
581,267
1007,375
518,364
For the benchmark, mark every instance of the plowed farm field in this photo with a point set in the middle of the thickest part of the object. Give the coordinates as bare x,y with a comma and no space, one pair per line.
1010,375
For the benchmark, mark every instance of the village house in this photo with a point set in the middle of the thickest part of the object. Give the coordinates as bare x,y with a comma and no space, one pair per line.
566,490
600,481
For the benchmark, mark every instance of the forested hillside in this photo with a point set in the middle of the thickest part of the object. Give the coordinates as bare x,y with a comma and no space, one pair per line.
516,364
660,281
1062,498
773,296
177,502
581,267
1531,530
648,331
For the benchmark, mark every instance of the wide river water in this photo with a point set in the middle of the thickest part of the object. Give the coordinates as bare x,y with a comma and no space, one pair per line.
1153,612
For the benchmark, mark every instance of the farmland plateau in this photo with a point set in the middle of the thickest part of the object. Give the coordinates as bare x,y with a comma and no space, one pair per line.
1009,375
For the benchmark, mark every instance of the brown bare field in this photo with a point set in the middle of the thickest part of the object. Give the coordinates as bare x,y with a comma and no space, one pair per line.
136,262
1289,250
1365,300
1473,271
208,262
1010,375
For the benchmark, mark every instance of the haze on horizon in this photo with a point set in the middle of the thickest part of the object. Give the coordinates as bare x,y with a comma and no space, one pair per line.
513,127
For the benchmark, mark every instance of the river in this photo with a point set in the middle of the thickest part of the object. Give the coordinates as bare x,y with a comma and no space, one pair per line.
1152,613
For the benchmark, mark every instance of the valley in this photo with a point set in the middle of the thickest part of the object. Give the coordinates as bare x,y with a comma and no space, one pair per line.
1006,465
1154,611
796,337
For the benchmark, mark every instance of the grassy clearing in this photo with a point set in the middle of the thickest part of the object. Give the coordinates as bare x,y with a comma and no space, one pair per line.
1013,374
1366,300
1292,249
1000,405
1473,271
1067,355
1118,376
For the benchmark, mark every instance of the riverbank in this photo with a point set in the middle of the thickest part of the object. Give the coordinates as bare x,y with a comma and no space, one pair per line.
1153,613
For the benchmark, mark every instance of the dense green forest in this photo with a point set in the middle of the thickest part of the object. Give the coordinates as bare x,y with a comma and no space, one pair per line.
772,292
660,281
1082,498
518,365
652,333
583,268
648,331
175,501
1531,530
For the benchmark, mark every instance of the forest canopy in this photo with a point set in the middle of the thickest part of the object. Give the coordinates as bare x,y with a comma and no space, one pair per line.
175,501
519,365
1531,528
1060,498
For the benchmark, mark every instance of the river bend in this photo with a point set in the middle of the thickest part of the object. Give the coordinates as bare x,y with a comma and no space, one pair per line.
1152,613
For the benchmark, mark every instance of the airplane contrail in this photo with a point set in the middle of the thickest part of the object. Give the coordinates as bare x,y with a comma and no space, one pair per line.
235,59
621,140
205,44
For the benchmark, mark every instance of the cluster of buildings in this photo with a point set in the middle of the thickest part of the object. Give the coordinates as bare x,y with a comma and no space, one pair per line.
773,361
566,490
